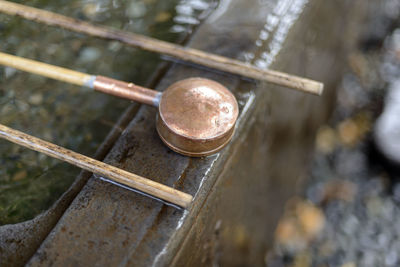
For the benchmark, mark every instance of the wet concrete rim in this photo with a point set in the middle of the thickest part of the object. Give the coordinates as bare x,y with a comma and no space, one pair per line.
201,192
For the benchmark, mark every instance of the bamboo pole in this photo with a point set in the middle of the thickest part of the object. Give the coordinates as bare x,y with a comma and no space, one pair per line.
154,45
47,70
115,174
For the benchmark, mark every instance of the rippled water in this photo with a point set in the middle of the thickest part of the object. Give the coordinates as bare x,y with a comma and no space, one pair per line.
67,115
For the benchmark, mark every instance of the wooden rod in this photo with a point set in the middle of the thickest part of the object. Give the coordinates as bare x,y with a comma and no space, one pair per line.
54,72
99,83
154,45
115,174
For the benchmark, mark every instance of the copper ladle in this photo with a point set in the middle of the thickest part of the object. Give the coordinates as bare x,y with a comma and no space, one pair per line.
196,116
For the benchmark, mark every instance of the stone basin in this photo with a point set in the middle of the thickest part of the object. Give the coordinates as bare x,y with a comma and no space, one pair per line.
239,192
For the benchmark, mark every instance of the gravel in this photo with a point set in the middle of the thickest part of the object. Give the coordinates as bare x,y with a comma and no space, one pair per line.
350,183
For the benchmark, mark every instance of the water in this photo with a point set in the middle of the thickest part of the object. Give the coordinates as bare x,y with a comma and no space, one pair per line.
67,115
140,192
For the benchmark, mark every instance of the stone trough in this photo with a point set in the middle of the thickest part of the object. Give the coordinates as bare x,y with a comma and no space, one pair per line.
240,192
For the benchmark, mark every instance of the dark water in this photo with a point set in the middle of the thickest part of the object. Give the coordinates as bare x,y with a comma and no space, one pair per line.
67,115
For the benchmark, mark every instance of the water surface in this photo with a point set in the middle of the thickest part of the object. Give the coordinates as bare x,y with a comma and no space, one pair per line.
68,115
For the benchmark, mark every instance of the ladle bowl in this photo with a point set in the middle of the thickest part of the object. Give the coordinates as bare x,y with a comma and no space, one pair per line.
196,116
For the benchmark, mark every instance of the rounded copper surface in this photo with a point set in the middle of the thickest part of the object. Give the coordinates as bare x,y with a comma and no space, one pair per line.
197,116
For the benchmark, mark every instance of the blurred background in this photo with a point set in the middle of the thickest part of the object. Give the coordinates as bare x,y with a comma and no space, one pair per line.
347,215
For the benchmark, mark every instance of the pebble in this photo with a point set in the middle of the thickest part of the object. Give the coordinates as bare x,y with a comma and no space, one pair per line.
9,72
162,17
374,206
350,132
286,231
358,64
387,127
350,224
22,106
311,219
20,175
302,260
136,9
326,139
396,192
391,258
115,46
7,108
89,54
339,190
301,223
91,9
36,99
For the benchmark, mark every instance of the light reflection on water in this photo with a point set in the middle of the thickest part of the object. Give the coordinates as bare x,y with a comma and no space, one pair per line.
190,12
275,30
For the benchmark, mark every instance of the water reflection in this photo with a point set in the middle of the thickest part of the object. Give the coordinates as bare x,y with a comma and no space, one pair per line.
190,12
275,30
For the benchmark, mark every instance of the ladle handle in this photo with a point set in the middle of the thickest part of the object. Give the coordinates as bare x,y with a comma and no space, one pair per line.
126,90
103,84
47,70
115,174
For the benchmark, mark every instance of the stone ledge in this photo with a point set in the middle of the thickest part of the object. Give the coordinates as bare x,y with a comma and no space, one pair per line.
239,192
